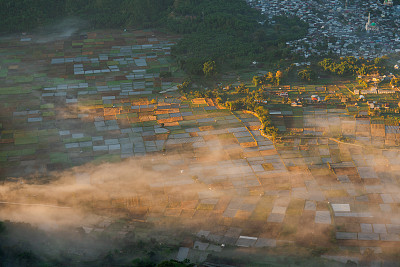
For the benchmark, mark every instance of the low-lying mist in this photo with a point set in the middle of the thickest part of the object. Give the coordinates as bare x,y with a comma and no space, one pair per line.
58,31
141,189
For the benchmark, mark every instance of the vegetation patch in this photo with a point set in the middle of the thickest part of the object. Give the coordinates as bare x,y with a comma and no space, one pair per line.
25,138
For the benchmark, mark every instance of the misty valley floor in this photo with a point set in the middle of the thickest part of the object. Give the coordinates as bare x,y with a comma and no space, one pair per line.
100,112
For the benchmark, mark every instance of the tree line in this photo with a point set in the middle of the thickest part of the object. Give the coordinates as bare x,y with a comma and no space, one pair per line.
351,66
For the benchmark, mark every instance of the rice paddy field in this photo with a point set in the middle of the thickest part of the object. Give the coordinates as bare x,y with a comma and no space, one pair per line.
104,108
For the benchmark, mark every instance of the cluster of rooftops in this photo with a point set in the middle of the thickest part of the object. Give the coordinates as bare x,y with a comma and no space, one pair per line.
359,28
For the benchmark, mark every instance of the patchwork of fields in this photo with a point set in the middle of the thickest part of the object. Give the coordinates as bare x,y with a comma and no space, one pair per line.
112,98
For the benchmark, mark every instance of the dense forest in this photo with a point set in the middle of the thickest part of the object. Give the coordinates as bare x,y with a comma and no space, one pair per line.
25,15
229,32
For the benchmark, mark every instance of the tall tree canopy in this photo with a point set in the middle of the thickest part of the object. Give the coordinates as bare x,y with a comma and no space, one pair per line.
24,15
